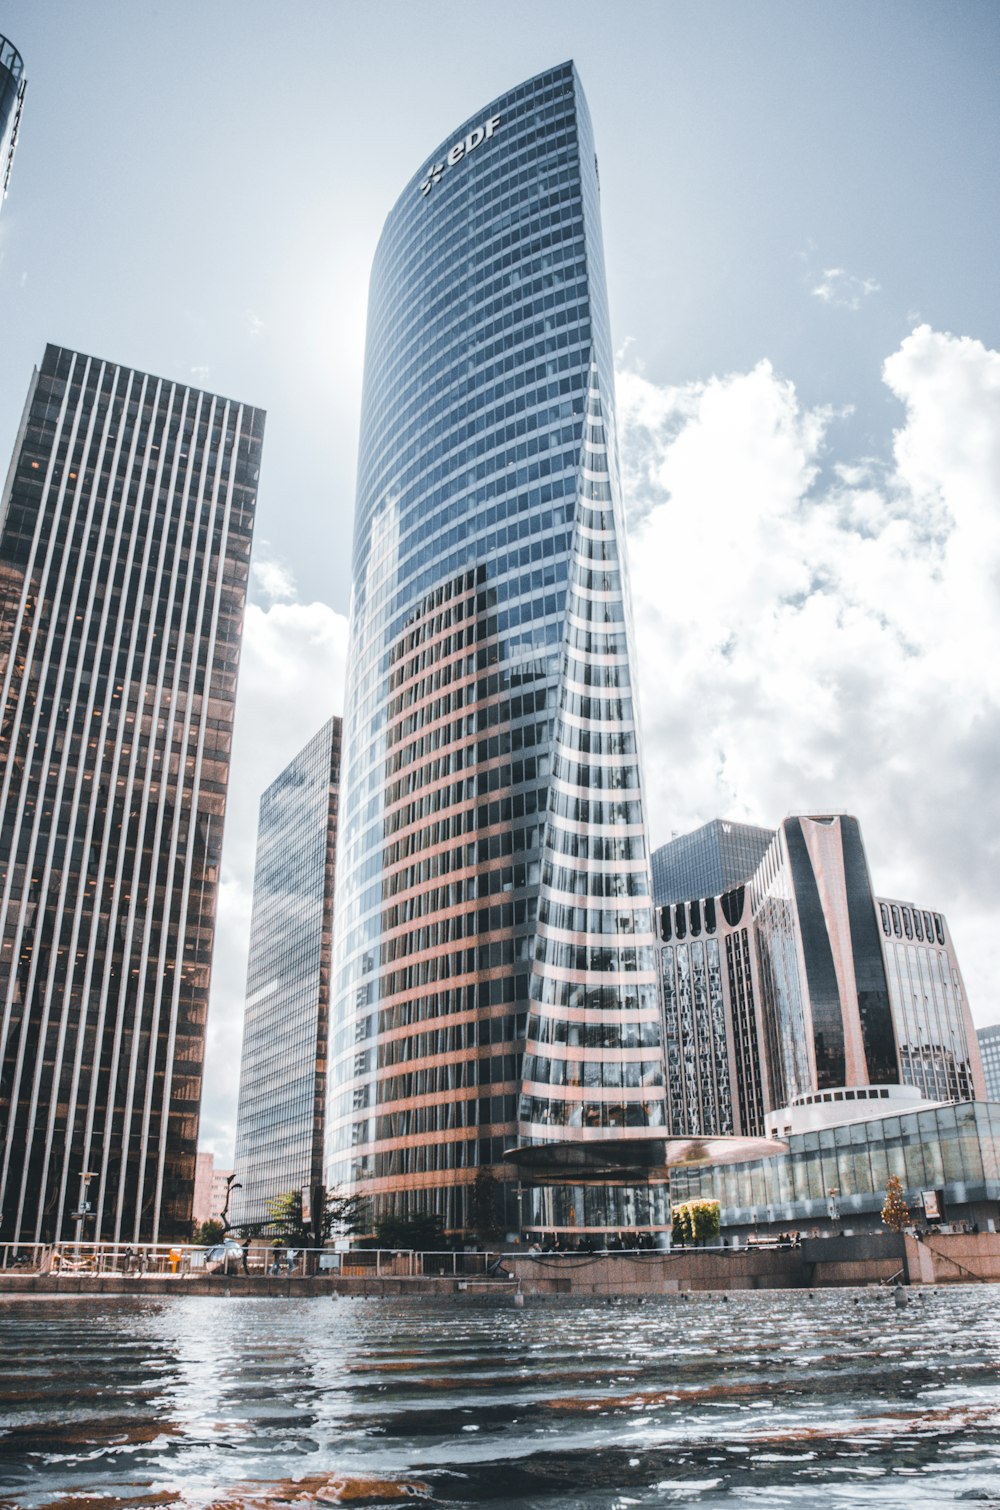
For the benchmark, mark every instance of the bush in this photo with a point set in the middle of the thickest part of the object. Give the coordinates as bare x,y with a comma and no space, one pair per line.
207,1234
696,1222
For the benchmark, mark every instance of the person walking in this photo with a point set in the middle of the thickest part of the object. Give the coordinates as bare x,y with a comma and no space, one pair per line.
245,1256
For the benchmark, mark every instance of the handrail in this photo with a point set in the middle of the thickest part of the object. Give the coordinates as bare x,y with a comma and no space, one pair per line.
979,1278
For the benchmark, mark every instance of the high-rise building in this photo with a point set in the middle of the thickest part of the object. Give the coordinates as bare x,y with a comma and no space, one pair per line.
13,85
717,1074
989,1047
826,1011
282,1105
788,987
127,519
495,985
710,860
938,1048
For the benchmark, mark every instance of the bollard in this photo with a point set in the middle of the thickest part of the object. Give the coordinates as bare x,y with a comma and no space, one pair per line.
901,1298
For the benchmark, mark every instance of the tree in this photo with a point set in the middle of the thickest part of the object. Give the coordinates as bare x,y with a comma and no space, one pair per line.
706,1220
895,1211
422,1231
339,1216
207,1234
285,1213
344,1215
484,1205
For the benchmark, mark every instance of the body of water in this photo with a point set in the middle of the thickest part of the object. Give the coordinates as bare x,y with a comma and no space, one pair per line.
835,1399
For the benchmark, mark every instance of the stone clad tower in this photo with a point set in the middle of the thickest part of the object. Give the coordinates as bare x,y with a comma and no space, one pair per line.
494,990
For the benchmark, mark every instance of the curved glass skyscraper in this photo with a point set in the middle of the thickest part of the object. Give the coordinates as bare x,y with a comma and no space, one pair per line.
12,89
494,999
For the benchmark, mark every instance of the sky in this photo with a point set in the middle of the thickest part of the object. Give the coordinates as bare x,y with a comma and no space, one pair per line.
800,225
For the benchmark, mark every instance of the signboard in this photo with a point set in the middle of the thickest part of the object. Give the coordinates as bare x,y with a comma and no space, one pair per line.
460,149
932,1204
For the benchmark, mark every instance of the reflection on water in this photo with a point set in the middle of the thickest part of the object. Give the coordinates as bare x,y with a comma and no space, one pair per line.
836,1399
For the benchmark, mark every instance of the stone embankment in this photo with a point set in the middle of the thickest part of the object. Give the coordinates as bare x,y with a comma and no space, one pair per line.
877,1258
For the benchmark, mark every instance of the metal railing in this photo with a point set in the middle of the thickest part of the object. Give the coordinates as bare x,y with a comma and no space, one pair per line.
180,1260
137,1261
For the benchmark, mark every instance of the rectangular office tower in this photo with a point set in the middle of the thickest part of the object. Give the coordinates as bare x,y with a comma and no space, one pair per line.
125,538
495,985
282,1106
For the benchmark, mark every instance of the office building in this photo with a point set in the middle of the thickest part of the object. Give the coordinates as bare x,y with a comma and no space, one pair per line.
824,994
717,1074
13,85
710,860
989,1048
127,518
803,979
495,985
938,1049
282,1103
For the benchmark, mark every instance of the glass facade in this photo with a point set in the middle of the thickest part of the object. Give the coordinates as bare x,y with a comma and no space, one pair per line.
825,996
491,824
282,1104
13,85
714,1067
989,1048
124,554
938,1049
714,858
951,1148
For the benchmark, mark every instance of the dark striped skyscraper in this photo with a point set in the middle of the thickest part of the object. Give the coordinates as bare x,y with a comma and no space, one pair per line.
124,552
282,1106
495,989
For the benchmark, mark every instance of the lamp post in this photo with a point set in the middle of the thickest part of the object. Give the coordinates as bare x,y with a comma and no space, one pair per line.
84,1209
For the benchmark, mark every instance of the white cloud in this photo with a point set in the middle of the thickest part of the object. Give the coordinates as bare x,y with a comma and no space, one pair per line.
843,289
274,580
254,323
291,681
807,646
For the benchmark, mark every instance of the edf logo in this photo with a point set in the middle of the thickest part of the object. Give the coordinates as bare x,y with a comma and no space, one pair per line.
461,149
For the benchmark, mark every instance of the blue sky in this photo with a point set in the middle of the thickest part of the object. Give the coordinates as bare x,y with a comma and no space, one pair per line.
789,191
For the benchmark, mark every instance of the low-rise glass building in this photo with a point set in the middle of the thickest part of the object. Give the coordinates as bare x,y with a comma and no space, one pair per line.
834,1177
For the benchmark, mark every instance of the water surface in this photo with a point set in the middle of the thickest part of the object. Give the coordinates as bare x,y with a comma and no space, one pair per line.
780,1399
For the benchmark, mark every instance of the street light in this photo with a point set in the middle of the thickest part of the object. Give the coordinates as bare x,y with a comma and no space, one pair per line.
84,1209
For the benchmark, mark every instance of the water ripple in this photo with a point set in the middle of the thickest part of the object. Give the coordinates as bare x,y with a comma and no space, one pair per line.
780,1401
